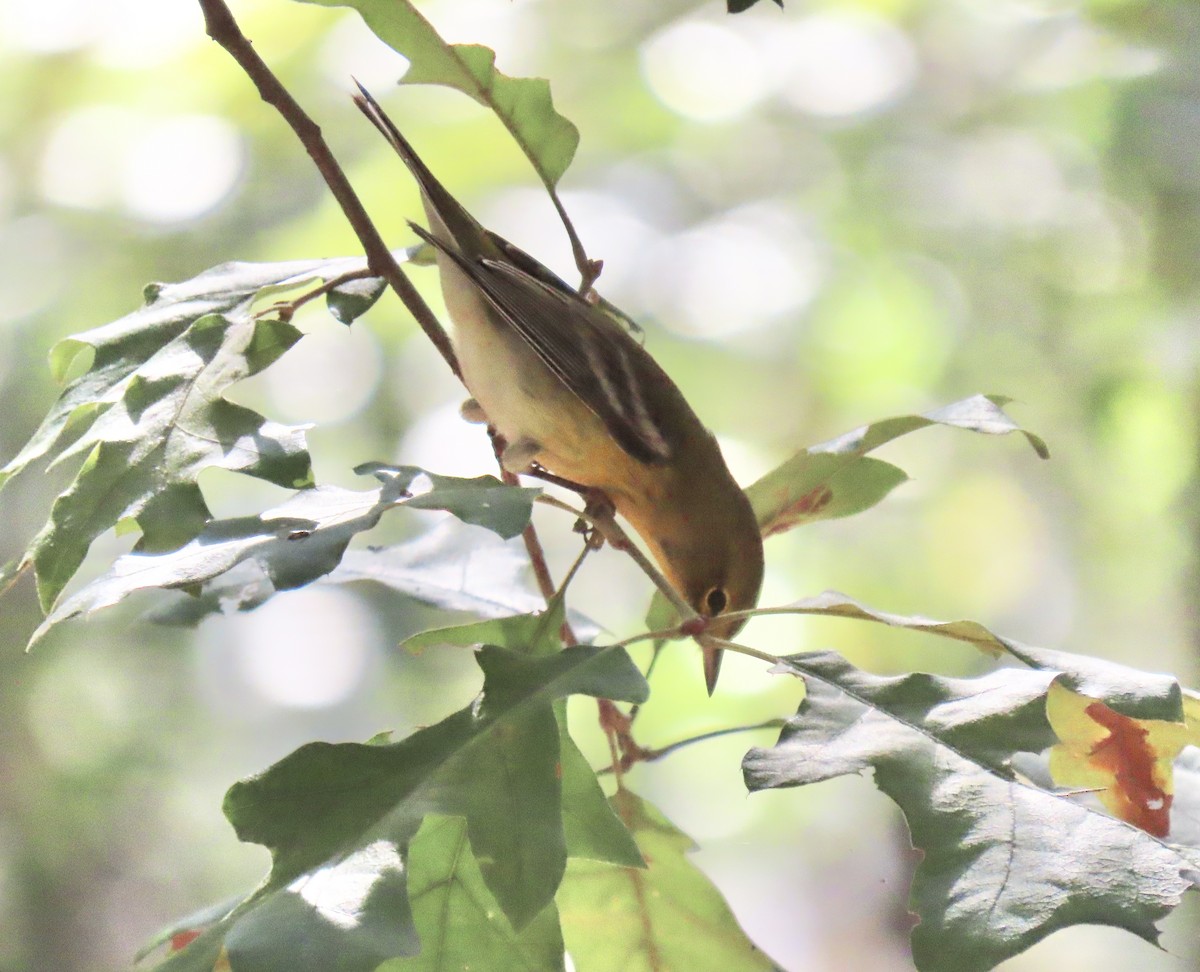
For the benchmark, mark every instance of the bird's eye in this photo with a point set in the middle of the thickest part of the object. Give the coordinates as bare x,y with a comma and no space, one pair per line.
716,601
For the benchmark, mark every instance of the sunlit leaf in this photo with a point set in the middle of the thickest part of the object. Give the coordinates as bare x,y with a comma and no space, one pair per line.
458,921
1004,863
483,500
1144,695
523,104
299,541
666,917
149,412
450,567
339,819
837,478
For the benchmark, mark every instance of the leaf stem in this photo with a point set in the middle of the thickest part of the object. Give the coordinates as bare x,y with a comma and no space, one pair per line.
650,755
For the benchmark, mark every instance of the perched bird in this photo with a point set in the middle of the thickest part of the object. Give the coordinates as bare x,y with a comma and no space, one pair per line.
571,391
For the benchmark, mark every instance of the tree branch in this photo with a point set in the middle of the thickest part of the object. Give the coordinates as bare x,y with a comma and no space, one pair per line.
221,27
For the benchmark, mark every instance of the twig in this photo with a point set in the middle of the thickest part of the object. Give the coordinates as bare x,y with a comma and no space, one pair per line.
221,27
726,645
286,309
533,543
664,634
650,755
606,523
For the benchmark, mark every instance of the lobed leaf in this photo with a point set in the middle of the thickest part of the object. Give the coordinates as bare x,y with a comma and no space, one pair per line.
1144,695
1004,863
524,105
590,827
838,478
483,500
148,413
297,542
449,567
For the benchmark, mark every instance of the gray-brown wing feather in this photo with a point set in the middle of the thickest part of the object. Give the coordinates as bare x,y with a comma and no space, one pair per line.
581,345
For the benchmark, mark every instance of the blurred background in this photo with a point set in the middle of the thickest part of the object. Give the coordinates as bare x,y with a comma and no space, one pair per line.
823,216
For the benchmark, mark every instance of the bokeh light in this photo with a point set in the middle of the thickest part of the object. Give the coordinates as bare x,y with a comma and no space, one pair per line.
306,650
839,64
703,71
180,168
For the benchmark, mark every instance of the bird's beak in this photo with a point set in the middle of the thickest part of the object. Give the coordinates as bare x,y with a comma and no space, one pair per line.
719,628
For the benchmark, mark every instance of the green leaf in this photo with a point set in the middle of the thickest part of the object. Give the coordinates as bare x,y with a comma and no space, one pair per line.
667,917
494,762
148,413
837,478
450,567
484,500
524,105
591,826
297,542
459,923
520,632
1141,695
342,823
350,300
1004,863
351,915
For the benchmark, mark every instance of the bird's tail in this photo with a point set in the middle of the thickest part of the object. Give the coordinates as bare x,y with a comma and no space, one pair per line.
442,207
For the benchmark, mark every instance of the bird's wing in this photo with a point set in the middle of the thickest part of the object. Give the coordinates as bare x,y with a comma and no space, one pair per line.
606,368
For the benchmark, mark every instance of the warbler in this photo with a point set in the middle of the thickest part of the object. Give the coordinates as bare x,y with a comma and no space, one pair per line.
573,394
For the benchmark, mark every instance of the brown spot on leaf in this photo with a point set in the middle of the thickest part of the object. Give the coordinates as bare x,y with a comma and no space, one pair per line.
181,940
796,512
1126,753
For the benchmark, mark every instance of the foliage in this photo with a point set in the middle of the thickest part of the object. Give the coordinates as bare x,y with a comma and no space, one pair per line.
486,839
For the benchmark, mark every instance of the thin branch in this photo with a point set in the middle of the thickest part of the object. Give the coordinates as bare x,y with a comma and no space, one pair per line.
533,544
221,27
726,645
614,533
650,755
286,309
663,634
